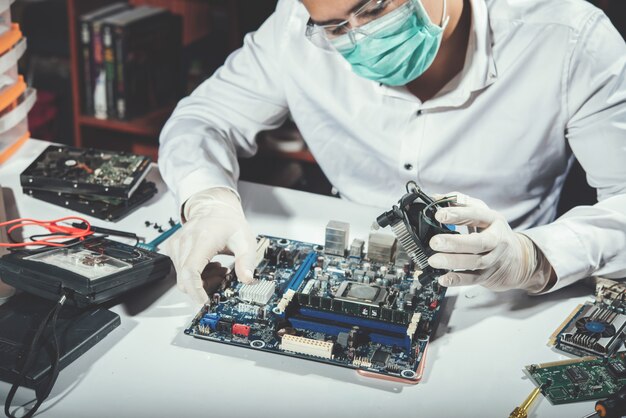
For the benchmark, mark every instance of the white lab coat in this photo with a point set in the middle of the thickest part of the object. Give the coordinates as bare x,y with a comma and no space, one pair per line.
543,81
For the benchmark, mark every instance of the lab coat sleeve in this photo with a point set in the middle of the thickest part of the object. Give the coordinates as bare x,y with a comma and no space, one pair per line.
591,240
200,142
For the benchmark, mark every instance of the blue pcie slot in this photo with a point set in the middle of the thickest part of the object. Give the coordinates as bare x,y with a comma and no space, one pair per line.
330,329
362,322
302,272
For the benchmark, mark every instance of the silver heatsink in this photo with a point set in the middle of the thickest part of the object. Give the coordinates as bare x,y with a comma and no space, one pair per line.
416,254
596,330
260,293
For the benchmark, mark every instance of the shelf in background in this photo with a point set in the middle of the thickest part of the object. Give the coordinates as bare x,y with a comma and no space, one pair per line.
149,125
304,156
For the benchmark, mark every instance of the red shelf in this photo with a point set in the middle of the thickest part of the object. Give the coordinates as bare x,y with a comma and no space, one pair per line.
149,125
302,156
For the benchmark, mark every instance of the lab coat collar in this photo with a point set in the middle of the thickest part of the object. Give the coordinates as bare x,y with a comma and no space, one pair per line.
479,71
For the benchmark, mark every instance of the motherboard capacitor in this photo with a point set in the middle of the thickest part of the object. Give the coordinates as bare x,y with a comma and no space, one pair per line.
317,271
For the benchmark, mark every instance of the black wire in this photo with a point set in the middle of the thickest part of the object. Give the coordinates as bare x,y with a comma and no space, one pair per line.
50,319
427,219
37,237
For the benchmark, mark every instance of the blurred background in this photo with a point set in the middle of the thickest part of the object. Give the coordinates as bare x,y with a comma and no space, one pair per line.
57,60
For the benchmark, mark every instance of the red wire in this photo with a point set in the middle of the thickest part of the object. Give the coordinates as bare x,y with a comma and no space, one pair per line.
64,232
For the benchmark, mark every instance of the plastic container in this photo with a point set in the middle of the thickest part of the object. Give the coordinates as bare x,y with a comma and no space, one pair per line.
10,57
6,291
5,15
14,123
12,47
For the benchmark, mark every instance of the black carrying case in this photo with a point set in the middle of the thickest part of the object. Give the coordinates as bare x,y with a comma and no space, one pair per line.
20,270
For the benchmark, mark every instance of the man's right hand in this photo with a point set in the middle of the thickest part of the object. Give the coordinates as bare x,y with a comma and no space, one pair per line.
215,224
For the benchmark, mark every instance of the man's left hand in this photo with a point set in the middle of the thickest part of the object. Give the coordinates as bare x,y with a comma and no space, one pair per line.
495,257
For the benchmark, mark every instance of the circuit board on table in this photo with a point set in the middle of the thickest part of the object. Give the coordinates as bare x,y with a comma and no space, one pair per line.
372,316
595,328
584,379
72,170
107,208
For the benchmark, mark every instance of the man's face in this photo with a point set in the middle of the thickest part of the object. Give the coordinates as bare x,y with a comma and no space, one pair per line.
328,12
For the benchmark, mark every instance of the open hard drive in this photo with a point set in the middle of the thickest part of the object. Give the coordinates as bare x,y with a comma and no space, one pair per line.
86,171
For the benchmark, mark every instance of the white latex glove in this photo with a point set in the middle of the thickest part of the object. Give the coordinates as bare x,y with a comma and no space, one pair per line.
215,224
495,257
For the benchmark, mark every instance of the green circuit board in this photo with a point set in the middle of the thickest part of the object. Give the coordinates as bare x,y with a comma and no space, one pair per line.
578,380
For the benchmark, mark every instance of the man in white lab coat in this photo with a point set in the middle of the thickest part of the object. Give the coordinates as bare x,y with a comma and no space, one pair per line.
493,98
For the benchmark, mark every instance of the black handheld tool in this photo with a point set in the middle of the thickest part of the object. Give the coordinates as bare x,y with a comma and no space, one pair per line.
612,407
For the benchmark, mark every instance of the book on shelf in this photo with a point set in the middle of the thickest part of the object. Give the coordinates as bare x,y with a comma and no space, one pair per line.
142,48
91,53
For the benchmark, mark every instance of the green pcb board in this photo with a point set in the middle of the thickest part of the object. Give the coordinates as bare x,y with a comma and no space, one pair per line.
578,380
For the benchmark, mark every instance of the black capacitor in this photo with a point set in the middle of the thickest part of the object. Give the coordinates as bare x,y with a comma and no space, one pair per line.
286,257
356,337
272,254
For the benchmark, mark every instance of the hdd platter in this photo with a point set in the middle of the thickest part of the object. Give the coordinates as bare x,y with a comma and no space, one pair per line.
86,171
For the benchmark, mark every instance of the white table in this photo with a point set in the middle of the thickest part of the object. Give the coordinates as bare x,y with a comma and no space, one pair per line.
147,367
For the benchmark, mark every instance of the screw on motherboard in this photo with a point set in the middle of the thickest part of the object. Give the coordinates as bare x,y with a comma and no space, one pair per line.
156,226
172,222
148,223
160,230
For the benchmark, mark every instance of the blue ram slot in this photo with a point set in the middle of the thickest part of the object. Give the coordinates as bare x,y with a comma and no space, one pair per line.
362,322
329,329
302,272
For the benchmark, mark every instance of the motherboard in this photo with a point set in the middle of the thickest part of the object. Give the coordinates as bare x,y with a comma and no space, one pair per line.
331,304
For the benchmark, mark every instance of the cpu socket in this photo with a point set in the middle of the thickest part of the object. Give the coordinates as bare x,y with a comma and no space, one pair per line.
363,294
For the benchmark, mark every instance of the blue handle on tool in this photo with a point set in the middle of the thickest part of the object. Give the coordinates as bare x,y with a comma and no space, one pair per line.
153,245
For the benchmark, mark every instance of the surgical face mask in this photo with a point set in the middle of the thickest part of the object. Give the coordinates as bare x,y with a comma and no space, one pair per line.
396,48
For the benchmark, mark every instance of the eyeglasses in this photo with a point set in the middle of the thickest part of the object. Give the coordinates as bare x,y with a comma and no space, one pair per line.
323,36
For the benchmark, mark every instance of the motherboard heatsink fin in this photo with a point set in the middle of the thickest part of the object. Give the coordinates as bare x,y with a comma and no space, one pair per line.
260,292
